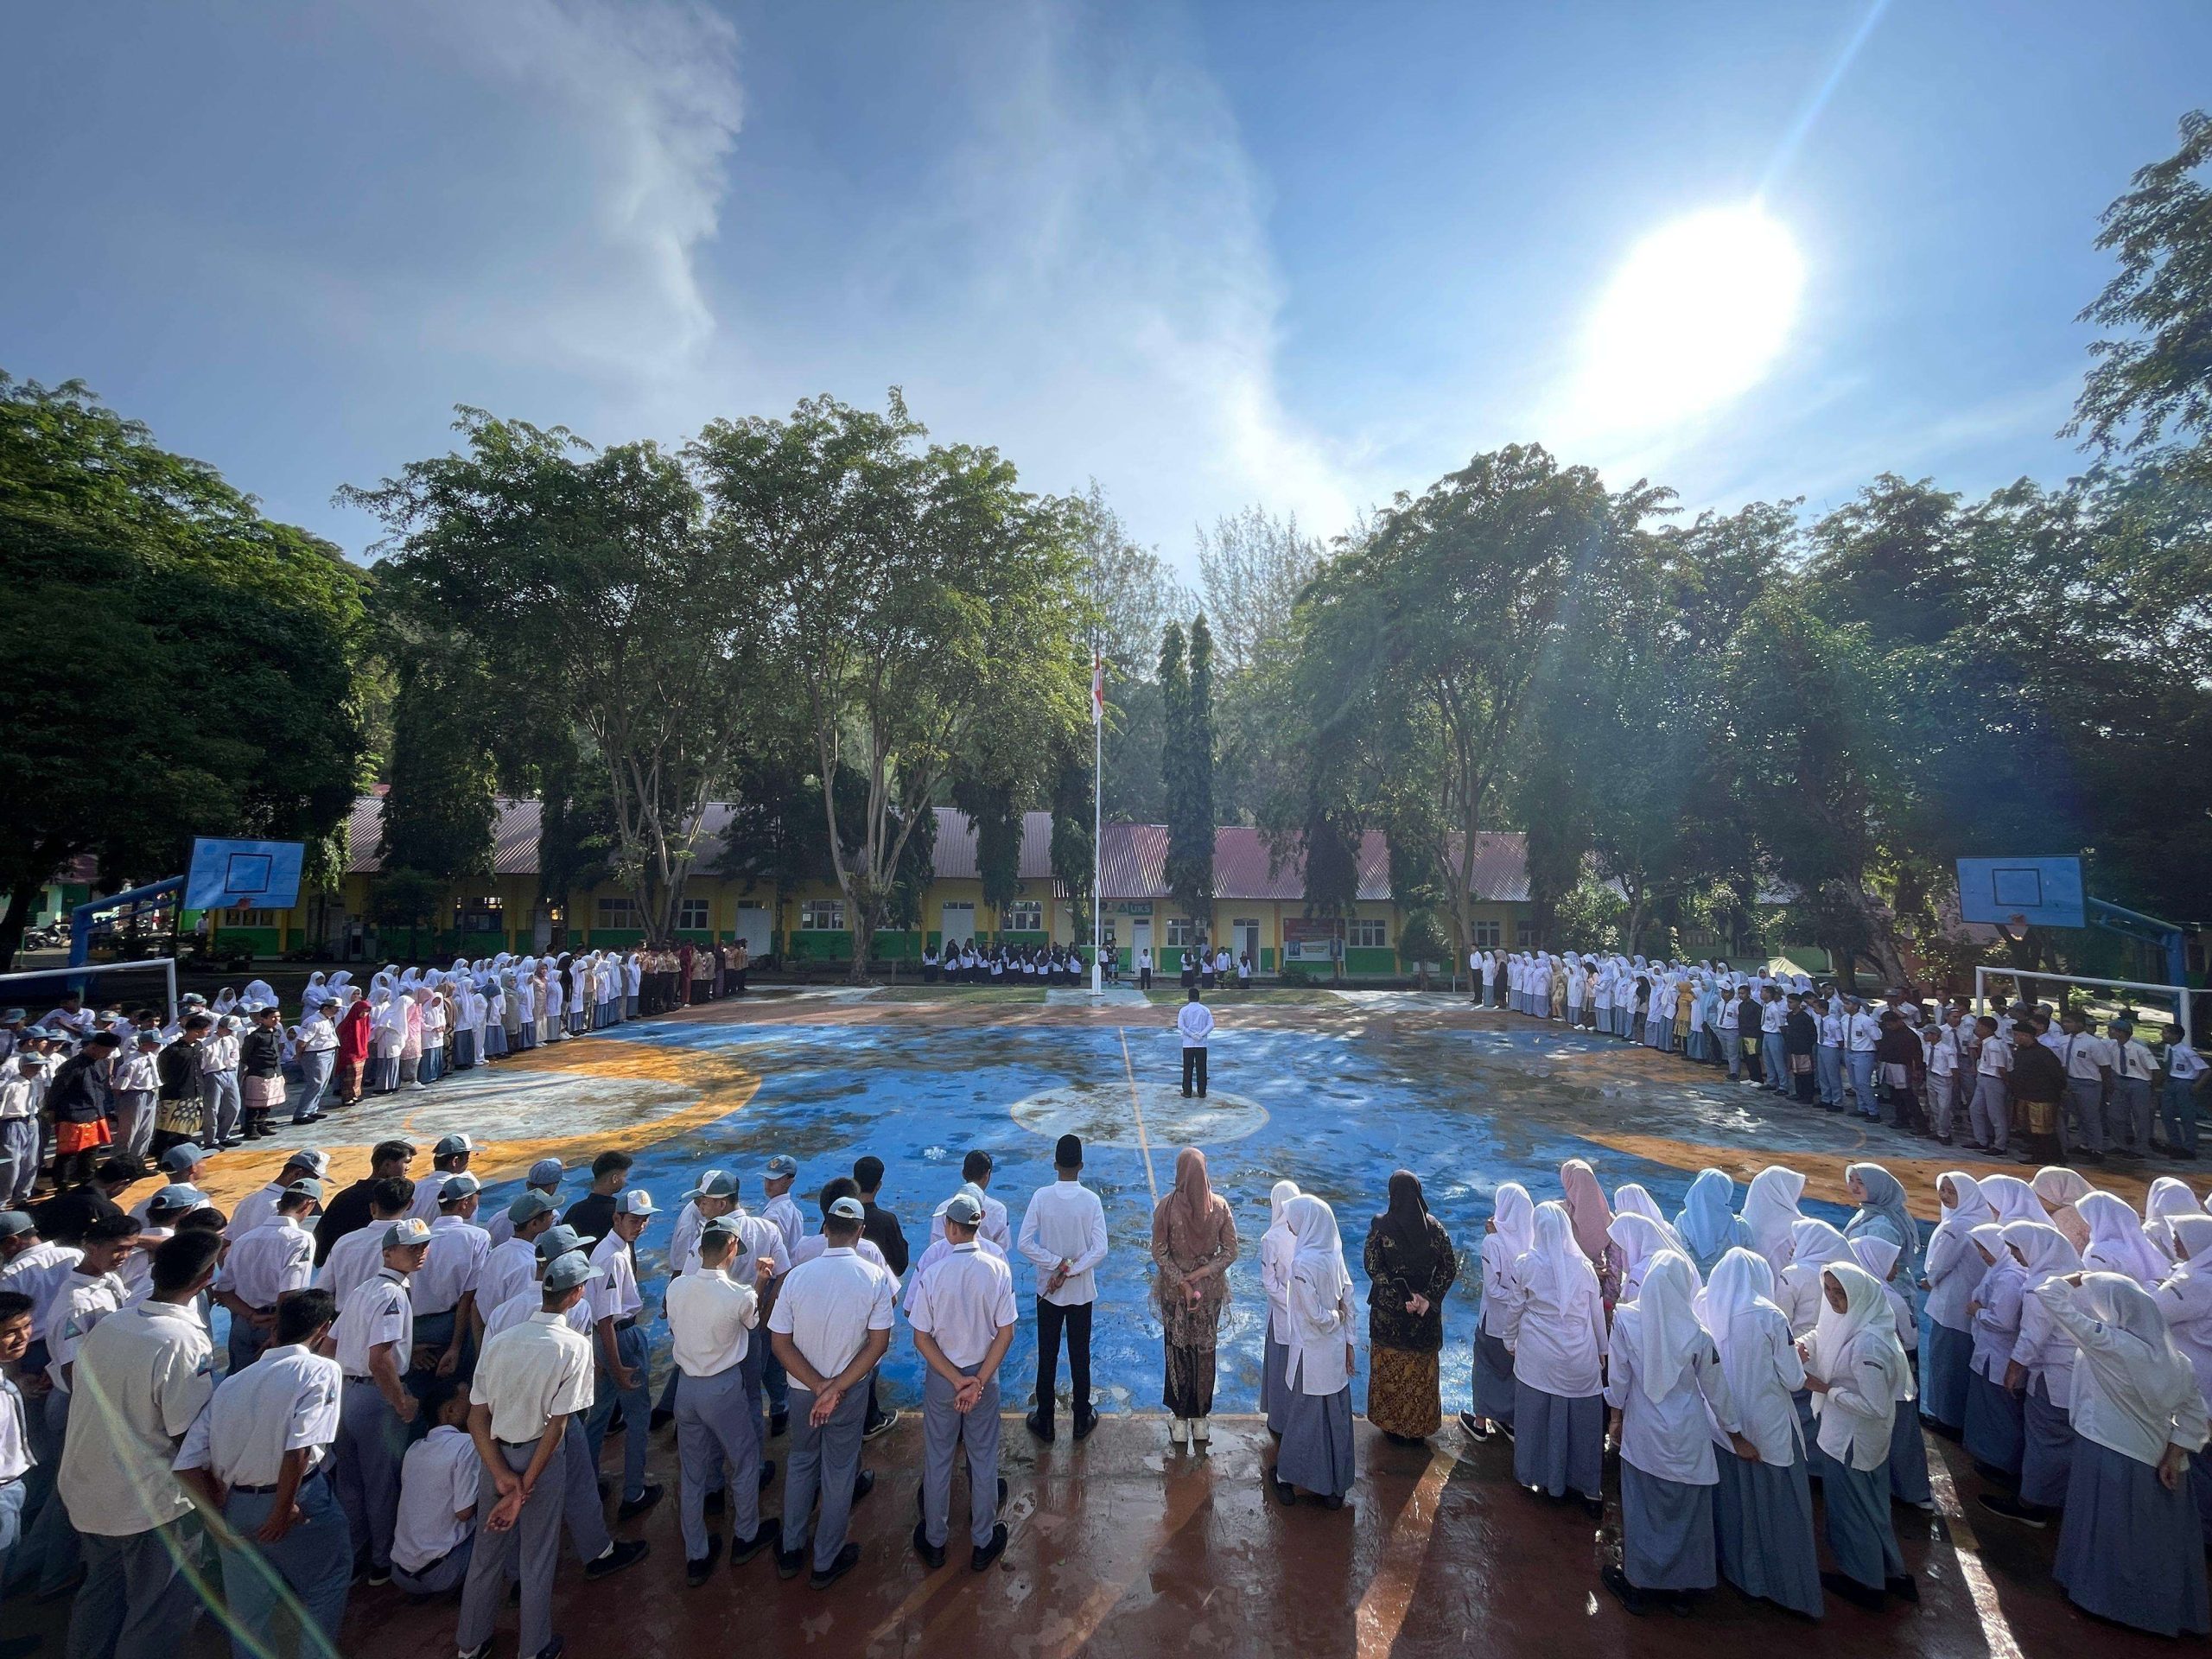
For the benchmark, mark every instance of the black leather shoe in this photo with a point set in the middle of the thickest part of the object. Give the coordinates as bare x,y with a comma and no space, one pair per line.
742,1550
789,1563
932,1555
864,1485
623,1555
1084,1422
696,1571
1040,1427
630,1507
848,1558
986,1554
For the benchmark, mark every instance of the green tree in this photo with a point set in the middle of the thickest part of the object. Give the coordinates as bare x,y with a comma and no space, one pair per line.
172,663
1074,846
586,584
918,602
1186,767
439,814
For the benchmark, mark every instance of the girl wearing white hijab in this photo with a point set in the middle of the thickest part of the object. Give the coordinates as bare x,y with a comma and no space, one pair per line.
2168,1200
2118,1243
1555,1325
1316,1453
1278,1245
1507,1236
1813,1245
1668,1391
2059,1189
1996,1428
526,1006
1770,1210
2125,1549
1763,1508
1950,1274
1633,1200
2042,1374
1708,1224
2013,1198
2185,1299
1641,1242
1909,1482
387,1036
551,1027
1858,1373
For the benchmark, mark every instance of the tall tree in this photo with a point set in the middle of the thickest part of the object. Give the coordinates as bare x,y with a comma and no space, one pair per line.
916,601
1252,566
172,663
587,582
1073,851
1186,767
438,813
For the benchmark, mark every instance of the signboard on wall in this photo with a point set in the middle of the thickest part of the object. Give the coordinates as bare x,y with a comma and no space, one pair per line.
1307,938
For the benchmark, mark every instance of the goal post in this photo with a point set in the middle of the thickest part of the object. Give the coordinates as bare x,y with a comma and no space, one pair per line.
126,984
2170,1001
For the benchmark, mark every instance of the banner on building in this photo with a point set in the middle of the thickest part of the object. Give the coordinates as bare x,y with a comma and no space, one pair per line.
1309,938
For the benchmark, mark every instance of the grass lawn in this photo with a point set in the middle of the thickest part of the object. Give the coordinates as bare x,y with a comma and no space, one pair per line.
958,994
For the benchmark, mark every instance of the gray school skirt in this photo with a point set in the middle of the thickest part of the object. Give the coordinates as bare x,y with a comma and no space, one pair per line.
2127,1551
1667,1537
1559,1443
1762,1517
2047,1448
1908,1456
1316,1454
1861,1537
1946,1361
1275,1383
1493,1378
1994,1434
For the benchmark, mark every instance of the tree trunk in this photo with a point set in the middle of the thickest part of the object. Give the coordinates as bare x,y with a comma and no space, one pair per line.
16,918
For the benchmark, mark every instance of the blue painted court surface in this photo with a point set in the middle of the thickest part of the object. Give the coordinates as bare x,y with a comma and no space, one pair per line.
1337,1112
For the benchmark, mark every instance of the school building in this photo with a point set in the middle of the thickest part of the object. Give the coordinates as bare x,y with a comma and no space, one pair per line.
1259,904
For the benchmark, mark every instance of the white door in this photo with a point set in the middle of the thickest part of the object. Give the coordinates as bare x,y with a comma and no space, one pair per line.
752,927
958,923
1140,940
1248,940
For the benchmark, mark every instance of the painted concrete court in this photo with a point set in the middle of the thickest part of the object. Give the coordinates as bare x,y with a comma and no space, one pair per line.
1121,1546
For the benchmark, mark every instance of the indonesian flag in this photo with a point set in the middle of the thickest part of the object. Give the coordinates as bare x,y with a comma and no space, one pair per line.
1098,687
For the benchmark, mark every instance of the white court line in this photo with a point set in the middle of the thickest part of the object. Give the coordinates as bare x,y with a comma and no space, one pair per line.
1965,1549
1144,1143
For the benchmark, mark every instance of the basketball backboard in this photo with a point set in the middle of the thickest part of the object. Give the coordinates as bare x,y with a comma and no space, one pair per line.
2030,890
243,874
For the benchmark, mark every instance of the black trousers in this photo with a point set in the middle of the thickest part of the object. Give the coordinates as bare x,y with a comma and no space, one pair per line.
1051,1317
1144,979
1194,1066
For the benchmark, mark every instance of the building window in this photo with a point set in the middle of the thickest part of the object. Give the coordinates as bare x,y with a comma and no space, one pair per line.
1023,916
251,918
1486,936
693,915
1367,933
1524,935
618,912
821,915
1179,936
478,913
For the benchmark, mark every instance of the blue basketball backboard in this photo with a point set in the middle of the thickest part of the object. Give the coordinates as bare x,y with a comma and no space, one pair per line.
2029,890
243,874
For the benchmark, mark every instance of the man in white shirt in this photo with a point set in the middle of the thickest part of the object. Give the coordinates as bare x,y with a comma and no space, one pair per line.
2127,1106
259,1454
1861,1031
1063,1238
22,1091
1828,1057
2087,1059
710,1318
444,1288
436,1529
530,1383
1194,1021
976,1171
781,1209
149,1368
375,1338
357,1254
89,1292
620,1342
831,1324
315,1042
512,1265
1989,1116
258,1206
964,1316
274,1258
545,1178
1144,969
450,1156
2185,1068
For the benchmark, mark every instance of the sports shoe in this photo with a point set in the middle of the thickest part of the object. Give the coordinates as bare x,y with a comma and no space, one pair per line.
848,1558
622,1554
984,1554
882,1425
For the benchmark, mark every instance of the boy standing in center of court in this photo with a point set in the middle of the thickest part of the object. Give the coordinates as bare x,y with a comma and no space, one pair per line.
1064,1238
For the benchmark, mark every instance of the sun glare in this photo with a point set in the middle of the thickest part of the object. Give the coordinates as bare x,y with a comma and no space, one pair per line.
1696,316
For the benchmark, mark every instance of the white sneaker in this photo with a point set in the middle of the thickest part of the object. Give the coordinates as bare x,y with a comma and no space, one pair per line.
1178,1430
1199,1431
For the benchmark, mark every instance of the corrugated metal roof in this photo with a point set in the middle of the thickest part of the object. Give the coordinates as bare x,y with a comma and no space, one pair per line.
1134,856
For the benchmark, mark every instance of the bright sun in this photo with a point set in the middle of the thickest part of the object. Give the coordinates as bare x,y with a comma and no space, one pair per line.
1694,318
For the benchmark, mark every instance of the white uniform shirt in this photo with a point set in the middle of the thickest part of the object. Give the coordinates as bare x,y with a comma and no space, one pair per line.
15,1459
2087,1056
1857,1413
790,1220
937,1251
963,1300
683,1239
2132,1059
268,1261
530,1300
284,1402
1766,1413
378,1311
1065,1223
437,1486
1995,1058
315,1035
428,1191
501,1229
2183,1063
37,1273
80,1302
997,1229
509,1268
1671,1437
153,1367
707,1319
451,1266
539,1369
1195,1021
1863,1032
254,1210
353,1260
828,1306
613,1294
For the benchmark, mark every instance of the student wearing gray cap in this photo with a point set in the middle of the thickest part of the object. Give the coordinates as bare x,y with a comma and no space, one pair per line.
781,1210
532,1382
375,1338
711,1320
444,1291
356,1255
831,1325
257,1207
623,1354
544,1179
449,1157
512,1263
962,1312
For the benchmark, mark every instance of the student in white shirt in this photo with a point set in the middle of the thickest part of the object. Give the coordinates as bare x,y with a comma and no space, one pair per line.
545,1178
21,1089
315,1042
782,1211
2131,1553
1763,1506
2185,1070
1064,1239
830,1326
1858,1373
447,1318
511,1266
964,1316
260,1206
259,1455
275,1257
1555,1324
1194,1023
168,1206
1317,1452
375,1346
15,1459
622,1349
2127,1105
437,1528
711,1319
997,1229
149,1367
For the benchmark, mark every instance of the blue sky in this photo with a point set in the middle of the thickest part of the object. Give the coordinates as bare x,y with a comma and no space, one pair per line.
1298,254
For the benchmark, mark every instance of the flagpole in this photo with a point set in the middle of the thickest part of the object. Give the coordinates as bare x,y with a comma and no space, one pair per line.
1097,821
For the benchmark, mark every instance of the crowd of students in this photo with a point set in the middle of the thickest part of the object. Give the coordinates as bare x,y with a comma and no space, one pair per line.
962,962
2033,1082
